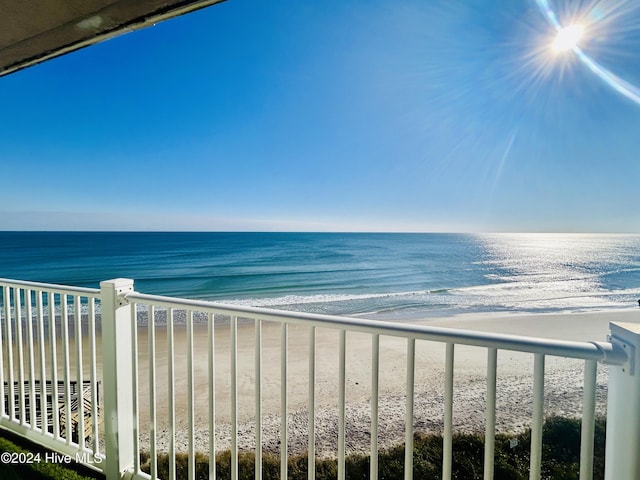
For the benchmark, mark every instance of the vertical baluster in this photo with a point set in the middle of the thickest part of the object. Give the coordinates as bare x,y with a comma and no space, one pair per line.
10,341
490,427
12,392
151,326
172,400
341,405
190,398
212,396
258,388
20,348
3,339
375,372
80,376
408,453
67,368
42,363
94,375
447,438
588,420
31,362
538,417
284,344
234,397
311,474
54,364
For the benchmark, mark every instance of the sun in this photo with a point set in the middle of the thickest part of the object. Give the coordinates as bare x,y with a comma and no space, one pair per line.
567,38
581,25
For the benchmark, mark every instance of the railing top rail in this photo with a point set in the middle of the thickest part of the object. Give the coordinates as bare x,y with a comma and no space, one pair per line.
600,351
50,287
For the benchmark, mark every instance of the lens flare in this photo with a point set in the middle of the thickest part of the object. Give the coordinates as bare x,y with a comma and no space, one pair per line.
567,39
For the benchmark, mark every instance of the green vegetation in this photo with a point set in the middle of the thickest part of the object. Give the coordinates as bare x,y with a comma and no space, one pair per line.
561,450
560,459
30,462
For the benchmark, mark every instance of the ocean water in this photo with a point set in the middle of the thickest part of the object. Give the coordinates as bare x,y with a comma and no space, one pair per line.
392,276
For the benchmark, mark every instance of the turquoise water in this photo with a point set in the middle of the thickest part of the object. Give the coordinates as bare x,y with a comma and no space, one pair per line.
374,275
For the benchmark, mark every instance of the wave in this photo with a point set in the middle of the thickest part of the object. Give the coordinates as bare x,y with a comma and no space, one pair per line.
325,298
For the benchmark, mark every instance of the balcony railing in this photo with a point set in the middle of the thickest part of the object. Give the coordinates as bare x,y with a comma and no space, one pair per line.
78,379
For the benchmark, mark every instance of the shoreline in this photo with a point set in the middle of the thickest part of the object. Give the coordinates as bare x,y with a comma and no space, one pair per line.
563,382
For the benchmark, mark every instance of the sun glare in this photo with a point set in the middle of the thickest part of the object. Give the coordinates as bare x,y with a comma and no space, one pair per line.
567,38
596,19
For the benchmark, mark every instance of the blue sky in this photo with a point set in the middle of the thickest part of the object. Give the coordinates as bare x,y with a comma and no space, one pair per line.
402,115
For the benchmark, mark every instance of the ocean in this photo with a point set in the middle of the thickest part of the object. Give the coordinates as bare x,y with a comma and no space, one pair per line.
373,275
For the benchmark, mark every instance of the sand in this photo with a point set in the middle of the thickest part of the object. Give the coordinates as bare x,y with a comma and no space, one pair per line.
563,382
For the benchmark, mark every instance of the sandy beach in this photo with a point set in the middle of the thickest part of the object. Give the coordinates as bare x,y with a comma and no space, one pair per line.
563,382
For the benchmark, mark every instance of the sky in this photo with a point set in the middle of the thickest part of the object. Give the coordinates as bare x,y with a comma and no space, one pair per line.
379,115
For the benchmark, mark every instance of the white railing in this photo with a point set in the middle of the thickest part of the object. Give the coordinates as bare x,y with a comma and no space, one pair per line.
131,373
49,382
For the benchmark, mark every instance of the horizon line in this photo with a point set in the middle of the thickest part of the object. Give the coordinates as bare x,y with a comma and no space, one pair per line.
413,232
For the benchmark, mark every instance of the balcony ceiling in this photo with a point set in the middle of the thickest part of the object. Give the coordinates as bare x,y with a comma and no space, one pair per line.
32,31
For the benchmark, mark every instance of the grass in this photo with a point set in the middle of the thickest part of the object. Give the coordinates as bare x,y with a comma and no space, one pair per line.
560,458
37,470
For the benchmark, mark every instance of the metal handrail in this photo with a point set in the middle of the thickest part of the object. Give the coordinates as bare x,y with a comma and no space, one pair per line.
50,287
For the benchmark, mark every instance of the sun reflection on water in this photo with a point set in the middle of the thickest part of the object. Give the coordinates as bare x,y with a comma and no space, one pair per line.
552,270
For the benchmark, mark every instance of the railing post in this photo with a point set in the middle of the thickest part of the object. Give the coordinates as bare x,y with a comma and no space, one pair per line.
117,376
622,461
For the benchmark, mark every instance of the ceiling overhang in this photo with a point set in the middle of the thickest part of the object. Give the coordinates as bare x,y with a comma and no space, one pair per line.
32,31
